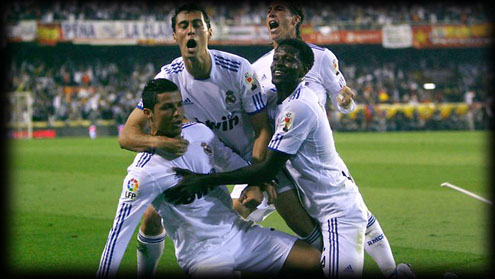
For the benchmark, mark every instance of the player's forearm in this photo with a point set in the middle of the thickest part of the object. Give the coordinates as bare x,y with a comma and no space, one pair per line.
254,174
260,146
135,140
263,134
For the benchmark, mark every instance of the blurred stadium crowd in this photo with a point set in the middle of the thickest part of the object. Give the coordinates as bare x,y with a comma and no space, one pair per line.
93,89
335,13
90,88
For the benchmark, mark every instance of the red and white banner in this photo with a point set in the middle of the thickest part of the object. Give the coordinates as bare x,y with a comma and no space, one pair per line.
434,36
397,36
117,32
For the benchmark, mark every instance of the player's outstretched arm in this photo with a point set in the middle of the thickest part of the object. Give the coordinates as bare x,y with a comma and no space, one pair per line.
193,183
133,137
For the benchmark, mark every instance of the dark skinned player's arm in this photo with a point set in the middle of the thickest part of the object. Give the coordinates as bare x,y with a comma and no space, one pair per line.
255,174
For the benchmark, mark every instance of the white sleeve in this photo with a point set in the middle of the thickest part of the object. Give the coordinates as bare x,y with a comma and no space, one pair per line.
333,80
253,97
293,127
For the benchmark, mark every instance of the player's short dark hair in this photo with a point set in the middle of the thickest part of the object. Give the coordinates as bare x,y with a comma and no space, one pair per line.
296,9
155,87
190,7
305,52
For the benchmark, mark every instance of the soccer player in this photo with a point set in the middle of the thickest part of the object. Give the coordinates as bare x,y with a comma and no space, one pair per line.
218,89
210,238
303,143
283,21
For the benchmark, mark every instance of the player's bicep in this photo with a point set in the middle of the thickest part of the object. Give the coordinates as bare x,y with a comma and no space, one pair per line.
292,128
136,122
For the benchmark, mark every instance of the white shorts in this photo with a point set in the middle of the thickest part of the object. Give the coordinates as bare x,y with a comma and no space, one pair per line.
343,251
250,248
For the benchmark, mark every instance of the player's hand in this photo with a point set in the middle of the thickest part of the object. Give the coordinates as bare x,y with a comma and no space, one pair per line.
188,188
269,188
171,148
251,197
345,97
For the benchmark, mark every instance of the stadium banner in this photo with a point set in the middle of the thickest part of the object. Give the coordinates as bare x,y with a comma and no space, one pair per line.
397,36
438,36
127,32
422,110
327,36
49,34
116,32
22,31
240,35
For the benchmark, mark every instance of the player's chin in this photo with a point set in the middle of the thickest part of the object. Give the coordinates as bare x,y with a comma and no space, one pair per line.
175,130
276,79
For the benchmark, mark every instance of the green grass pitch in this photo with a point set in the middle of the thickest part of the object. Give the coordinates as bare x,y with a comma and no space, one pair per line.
63,195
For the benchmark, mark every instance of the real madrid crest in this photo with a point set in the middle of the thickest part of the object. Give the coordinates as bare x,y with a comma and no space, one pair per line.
230,97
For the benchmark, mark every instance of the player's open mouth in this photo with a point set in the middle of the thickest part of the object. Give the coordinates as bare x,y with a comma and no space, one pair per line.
278,71
191,43
273,24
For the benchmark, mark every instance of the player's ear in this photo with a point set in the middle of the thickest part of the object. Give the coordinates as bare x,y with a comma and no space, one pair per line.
175,36
210,33
296,20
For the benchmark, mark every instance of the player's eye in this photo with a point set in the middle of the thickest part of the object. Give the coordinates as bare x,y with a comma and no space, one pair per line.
183,25
167,106
197,23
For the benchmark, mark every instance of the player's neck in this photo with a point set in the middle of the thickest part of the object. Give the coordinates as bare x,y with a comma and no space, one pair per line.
155,132
284,90
199,66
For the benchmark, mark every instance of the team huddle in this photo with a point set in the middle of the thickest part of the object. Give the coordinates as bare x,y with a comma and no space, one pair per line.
214,119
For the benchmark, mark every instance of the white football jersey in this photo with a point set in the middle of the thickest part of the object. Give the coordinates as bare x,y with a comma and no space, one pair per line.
224,101
324,78
302,130
191,227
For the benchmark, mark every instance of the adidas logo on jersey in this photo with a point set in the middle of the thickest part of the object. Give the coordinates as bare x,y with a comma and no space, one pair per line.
348,269
188,101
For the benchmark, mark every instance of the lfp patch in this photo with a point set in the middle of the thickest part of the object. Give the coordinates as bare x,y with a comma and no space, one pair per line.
132,184
287,120
132,188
